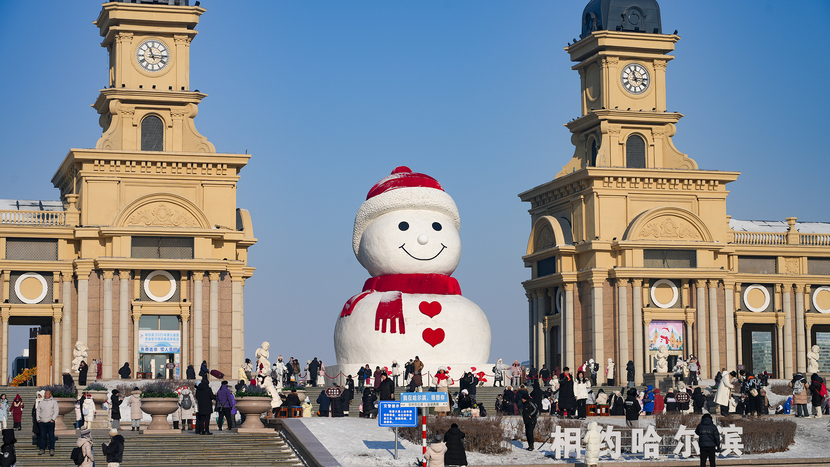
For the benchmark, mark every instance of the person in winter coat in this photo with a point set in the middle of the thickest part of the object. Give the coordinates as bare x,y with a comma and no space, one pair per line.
648,400
4,411
698,400
581,386
324,402
632,407
659,405
225,402
817,393
203,370
465,401
292,400
499,371
115,409
79,412
135,409
515,373
190,373
376,375
435,452
186,405
99,369
536,395
592,440
35,425
396,372
708,440
204,402
83,368
313,371
67,378
567,401
671,402
629,368
17,412
368,402
340,405
455,454
114,450
417,369
508,401
801,394
47,413
124,372
85,443
617,404
530,414
88,410
8,457
724,393
386,388
349,391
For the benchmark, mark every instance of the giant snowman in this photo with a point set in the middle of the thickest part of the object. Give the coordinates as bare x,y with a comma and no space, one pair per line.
406,236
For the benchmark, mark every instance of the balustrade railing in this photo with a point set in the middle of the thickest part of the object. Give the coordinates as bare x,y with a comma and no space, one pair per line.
760,238
47,218
815,239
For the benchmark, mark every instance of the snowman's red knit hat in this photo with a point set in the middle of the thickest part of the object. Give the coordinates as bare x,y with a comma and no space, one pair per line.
403,189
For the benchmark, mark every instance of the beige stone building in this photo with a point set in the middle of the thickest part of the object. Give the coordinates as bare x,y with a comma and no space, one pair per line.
144,258
631,245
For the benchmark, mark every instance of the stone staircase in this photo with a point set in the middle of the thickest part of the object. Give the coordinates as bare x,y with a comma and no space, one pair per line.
223,448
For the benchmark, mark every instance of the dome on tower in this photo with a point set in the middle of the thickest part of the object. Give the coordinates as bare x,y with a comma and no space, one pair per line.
621,15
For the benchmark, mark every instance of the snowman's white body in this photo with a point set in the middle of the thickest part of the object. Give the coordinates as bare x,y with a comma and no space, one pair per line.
466,341
405,232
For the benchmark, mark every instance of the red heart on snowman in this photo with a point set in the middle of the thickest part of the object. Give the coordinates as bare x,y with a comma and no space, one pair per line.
430,309
433,337
473,369
448,368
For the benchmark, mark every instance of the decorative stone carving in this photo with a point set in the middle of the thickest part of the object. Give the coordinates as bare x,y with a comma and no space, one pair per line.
268,385
79,354
263,366
662,355
791,266
162,215
812,359
670,228
545,239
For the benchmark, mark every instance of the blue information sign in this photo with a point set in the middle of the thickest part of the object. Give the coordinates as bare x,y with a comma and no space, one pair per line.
424,399
391,414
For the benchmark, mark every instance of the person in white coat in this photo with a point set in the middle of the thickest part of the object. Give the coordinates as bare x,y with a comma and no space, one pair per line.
724,393
396,372
501,373
88,410
135,409
581,386
592,441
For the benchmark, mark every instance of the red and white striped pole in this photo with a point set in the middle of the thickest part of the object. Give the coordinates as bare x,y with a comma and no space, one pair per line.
424,439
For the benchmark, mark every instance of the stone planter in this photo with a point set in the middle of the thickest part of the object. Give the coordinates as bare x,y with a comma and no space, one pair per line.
65,405
101,416
159,408
253,407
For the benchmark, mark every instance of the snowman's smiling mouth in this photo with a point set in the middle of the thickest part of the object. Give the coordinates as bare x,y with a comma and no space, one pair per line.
443,247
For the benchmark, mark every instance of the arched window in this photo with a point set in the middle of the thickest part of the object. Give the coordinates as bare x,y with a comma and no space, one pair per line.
593,162
635,152
152,134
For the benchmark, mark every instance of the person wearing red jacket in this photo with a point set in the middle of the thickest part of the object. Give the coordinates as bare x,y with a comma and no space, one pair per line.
658,402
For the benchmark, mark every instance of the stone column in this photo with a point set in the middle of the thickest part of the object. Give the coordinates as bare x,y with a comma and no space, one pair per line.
729,303
597,323
106,354
198,352
4,367
213,338
124,318
136,317
66,322
782,338
800,337
569,351
183,362
531,324
236,321
622,324
242,318
56,348
637,309
787,354
540,328
548,350
83,307
714,351
700,351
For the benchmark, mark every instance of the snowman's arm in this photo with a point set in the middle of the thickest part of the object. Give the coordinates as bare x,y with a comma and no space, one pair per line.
390,308
351,303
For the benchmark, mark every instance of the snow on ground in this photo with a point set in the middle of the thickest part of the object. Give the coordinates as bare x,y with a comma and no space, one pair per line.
357,441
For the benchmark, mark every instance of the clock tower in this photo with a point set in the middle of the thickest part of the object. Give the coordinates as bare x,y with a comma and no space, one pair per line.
621,58
149,75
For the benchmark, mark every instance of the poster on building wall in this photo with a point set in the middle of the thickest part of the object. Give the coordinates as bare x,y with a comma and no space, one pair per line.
665,332
159,341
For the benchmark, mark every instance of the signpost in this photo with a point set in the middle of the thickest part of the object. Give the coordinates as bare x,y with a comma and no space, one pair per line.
392,414
424,399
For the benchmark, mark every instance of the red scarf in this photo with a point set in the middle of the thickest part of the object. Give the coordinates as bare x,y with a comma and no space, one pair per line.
391,305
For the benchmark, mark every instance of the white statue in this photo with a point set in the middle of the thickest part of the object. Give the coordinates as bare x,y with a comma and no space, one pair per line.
263,366
268,385
812,359
662,355
80,354
609,370
592,440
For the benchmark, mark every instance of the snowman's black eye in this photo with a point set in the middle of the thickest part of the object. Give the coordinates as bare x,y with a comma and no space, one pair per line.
436,226
403,225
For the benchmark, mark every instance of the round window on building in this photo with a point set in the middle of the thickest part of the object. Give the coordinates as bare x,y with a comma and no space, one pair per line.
756,298
664,293
821,299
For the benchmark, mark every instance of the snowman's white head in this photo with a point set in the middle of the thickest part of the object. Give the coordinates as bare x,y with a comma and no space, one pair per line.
408,225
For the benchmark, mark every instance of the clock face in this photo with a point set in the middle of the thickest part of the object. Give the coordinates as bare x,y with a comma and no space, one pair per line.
635,78
152,55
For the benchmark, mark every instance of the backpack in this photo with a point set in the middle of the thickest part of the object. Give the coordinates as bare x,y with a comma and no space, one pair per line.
823,392
798,387
77,455
187,402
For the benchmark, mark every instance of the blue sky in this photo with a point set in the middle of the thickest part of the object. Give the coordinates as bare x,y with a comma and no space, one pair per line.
330,96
